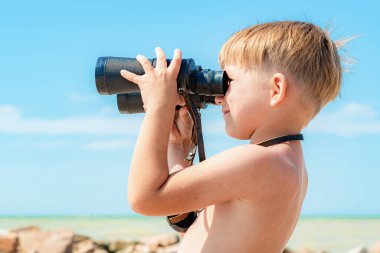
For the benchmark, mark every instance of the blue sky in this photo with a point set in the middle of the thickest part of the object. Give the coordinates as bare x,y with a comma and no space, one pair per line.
65,150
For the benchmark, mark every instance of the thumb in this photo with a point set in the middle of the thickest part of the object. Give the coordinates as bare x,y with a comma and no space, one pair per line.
185,116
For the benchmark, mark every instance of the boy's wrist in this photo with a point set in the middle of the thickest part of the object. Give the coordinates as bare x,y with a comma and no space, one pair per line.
181,145
177,152
158,108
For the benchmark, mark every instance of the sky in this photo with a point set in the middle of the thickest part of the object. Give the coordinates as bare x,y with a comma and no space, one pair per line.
66,150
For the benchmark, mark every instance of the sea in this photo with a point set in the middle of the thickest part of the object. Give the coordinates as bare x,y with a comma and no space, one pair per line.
333,234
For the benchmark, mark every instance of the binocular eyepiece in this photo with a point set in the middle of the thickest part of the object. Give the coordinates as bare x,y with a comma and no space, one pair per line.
200,84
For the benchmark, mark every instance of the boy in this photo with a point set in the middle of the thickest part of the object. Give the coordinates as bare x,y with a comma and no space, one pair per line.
280,75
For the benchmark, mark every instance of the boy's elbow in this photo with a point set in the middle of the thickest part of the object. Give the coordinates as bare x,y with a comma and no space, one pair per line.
135,203
141,205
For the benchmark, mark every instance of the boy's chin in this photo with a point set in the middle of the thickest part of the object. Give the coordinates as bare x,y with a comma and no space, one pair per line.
237,135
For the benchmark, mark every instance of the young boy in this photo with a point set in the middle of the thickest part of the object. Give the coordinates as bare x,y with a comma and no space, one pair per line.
280,75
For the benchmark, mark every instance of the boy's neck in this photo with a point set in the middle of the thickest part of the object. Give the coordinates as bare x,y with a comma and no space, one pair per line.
274,129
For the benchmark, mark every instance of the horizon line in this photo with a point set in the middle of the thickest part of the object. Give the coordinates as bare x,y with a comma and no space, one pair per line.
121,216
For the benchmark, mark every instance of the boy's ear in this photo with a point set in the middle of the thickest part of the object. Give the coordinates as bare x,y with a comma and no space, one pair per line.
278,89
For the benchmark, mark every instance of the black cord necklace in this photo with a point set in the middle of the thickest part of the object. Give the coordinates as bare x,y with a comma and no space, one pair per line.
277,140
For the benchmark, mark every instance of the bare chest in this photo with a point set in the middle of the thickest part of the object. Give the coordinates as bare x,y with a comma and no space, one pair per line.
219,228
241,226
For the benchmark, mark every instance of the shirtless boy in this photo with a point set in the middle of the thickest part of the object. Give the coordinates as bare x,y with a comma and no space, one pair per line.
280,75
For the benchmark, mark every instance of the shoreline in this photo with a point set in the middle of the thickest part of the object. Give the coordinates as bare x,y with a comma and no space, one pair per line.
336,235
62,240
136,216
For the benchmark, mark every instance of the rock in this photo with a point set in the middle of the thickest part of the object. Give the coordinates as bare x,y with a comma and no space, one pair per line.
25,229
305,250
359,249
116,246
161,240
80,238
100,251
59,241
128,249
168,249
145,248
375,248
86,246
8,242
29,240
102,244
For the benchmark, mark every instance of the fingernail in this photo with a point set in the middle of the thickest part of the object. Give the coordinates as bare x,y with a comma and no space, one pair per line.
123,71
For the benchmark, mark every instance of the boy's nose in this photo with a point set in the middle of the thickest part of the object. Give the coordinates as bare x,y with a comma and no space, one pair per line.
219,100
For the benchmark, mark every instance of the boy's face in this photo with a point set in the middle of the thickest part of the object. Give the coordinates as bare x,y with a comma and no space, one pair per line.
246,101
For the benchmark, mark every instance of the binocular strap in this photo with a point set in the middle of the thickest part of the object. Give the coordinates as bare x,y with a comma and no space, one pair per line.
181,222
197,135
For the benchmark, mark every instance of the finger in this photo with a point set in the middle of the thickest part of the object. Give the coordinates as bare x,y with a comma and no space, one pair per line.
130,76
175,64
161,59
185,116
176,115
181,100
145,63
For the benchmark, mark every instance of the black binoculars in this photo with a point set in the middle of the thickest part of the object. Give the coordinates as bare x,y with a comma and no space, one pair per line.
201,85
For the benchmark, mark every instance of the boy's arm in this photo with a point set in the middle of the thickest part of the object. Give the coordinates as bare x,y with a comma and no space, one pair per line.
247,171
176,154
243,172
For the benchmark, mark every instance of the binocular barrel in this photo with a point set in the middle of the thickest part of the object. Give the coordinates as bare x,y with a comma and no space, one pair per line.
131,103
108,78
204,83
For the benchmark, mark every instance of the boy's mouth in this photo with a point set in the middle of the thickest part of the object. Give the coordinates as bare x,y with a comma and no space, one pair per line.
225,112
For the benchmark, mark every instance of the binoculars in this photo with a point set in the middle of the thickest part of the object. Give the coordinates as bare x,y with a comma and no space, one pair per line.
201,85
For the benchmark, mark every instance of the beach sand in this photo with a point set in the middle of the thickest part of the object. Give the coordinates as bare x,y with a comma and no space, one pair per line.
336,235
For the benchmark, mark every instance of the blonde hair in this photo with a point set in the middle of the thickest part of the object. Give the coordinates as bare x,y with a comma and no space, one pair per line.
301,49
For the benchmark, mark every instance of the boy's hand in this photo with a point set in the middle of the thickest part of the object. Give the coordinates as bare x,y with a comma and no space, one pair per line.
180,139
182,126
158,85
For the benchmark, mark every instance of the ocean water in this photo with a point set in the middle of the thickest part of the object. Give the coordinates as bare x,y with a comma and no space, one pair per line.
336,235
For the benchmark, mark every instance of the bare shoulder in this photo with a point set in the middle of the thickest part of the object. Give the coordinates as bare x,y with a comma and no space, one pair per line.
275,164
274,170
242,172
285,176
266,211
